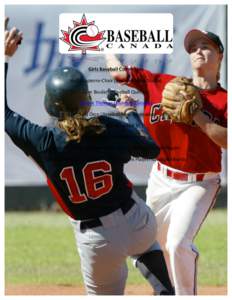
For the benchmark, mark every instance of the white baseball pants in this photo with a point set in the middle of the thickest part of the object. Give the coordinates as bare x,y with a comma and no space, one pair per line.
180,208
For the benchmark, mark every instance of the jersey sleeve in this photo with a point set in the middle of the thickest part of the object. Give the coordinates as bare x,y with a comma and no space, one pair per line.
150,84
27,136
138,78
132,137
142,144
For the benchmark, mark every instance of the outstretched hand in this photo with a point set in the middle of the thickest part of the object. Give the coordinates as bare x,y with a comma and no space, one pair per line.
13,38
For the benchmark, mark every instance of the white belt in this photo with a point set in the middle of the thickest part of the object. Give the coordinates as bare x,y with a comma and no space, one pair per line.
183,176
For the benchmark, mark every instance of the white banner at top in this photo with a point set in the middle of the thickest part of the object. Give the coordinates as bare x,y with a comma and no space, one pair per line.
116,33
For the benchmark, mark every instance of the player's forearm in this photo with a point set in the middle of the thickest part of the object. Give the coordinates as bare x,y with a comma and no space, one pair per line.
7,110
118,72
10,125
215,132
134,119
144,145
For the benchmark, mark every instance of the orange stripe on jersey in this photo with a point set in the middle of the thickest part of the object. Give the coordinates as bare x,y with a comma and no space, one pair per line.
129,184
59,198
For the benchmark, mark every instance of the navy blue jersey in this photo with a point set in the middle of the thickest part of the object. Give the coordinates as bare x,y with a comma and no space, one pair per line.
86,178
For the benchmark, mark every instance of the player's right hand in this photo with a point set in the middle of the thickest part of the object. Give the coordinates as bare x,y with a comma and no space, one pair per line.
126,104
13,38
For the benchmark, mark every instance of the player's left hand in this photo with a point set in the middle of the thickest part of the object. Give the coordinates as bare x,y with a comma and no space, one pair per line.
181,100
13,38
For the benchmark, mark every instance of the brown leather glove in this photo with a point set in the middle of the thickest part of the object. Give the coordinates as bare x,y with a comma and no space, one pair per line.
181,100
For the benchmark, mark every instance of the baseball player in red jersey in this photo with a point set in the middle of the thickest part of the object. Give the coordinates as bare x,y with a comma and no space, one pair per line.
184,180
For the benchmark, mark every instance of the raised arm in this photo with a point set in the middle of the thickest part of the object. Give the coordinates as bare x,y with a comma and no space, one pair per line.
117,69
29,137
13,38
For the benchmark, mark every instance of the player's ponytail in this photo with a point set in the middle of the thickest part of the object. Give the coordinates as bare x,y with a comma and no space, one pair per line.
76,126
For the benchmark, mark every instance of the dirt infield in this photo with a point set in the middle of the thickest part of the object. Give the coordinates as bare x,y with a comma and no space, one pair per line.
79,290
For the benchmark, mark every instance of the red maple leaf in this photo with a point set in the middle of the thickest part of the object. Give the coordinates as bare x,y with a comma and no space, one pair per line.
78,39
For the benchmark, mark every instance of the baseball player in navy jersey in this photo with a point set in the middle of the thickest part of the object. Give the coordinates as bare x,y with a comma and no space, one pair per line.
83,161
184,179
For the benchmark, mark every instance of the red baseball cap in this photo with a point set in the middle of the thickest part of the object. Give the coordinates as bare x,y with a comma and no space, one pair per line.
196,34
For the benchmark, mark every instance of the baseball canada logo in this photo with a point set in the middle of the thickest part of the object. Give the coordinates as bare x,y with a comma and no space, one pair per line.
83,36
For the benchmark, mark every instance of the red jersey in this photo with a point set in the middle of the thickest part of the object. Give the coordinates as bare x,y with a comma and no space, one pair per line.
183,147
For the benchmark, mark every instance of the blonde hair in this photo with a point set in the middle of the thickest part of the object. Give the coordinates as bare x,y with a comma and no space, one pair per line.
76,126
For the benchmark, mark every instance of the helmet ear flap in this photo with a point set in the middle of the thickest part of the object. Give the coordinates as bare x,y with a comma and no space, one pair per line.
53,107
